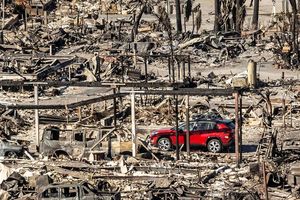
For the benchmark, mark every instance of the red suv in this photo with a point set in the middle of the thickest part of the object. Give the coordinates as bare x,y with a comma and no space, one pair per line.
213,134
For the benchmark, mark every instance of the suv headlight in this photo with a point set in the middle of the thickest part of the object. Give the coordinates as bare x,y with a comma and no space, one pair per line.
153,133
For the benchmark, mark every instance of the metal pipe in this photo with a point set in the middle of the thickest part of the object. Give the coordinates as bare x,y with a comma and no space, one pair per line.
36,112
177,131
115,124
187,106
133,126
146,69
189,67
115,108
183,69
122,66
237,154
252,73
178,70
240,127
173,69
265,181
169,68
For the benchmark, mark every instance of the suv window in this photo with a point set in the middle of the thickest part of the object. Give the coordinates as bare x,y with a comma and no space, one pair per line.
205,126
211,126
182,126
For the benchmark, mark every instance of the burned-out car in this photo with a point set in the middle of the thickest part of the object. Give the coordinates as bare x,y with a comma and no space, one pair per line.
80,191
70,143
11,149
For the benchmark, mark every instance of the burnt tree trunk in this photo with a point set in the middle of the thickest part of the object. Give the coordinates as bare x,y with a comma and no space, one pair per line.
217,15
178,16
255,15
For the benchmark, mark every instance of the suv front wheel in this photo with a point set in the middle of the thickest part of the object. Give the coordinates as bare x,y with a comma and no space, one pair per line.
214,146
164,144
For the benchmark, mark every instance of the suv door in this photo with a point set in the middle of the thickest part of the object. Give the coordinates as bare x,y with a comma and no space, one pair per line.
193,133
203,131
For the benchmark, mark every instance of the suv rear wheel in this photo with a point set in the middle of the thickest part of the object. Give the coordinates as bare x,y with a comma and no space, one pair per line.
214,146
164,144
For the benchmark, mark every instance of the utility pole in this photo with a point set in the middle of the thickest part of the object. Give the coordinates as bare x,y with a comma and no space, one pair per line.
217,15
255,15
178,16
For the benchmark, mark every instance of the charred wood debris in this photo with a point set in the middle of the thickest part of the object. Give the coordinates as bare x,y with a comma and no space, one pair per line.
84,83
